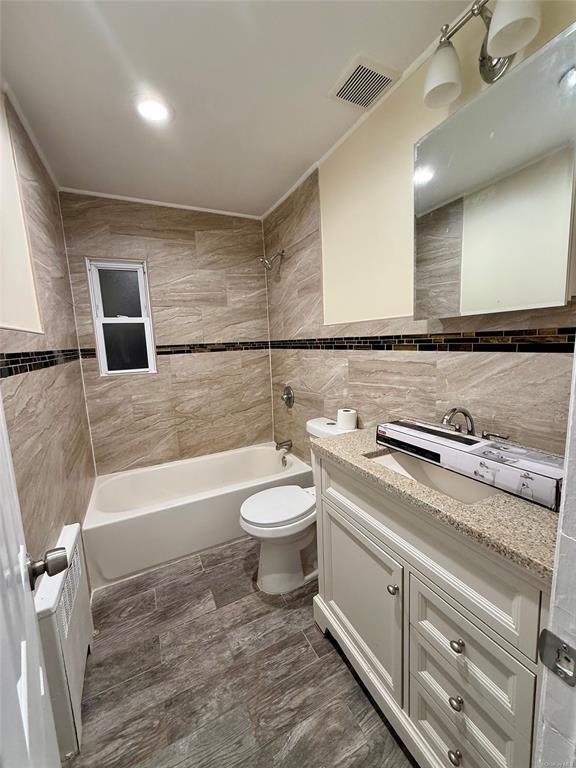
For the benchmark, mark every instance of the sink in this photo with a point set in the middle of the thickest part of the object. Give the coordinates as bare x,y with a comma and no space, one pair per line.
458,487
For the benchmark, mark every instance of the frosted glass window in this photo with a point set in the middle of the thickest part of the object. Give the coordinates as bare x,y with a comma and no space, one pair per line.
120,307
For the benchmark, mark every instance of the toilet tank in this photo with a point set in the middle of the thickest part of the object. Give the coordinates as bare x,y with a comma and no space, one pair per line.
322,427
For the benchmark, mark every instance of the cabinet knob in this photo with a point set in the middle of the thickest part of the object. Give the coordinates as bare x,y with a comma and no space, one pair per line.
456,702
457,645
455,756
393,589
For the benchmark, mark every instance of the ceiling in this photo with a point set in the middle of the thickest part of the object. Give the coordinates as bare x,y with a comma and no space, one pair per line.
248,83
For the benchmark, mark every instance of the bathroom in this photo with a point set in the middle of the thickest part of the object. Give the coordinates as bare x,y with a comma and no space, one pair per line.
213,289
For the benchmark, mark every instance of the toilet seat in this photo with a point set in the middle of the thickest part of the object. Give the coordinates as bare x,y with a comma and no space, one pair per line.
283,505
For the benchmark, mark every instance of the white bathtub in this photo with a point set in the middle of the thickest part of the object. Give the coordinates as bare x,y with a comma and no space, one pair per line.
142,518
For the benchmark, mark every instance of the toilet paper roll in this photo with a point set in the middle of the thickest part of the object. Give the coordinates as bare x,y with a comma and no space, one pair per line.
346,418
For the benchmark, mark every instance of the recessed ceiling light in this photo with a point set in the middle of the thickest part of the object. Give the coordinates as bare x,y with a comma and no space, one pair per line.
423,175
152,110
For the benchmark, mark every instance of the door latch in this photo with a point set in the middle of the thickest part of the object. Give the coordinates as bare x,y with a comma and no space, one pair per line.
558,656
55,561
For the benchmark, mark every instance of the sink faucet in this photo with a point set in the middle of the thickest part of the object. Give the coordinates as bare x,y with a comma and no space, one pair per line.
447,420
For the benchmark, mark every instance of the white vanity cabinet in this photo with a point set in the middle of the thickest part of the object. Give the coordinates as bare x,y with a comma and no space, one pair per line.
442,631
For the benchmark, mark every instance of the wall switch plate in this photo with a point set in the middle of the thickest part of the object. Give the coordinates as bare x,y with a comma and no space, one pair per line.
558,656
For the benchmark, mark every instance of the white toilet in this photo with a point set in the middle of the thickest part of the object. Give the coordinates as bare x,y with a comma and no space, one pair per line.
283,519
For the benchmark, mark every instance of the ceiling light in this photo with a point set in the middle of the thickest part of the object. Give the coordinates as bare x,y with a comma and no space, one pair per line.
514,24
423,175
443,82
152,110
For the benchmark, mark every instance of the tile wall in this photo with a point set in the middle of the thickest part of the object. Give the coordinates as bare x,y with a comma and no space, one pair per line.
43,398
415,367
207,292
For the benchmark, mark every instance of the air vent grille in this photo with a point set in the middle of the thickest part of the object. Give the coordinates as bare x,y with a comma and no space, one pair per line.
363,83
69,591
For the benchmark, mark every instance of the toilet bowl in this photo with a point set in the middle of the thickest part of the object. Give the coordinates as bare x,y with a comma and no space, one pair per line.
283,520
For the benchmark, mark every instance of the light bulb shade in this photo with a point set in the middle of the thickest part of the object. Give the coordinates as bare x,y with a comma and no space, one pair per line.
443,81
514,24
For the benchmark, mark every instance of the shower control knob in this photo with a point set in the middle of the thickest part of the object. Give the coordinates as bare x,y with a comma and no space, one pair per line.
55,561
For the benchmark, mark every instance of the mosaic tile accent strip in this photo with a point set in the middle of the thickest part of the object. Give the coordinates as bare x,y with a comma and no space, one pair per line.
13,363
560,340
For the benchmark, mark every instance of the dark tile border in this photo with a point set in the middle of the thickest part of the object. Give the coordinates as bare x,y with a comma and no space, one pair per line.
559,340
13,363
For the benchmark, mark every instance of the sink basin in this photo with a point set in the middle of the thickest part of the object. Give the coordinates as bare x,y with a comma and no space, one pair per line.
458,487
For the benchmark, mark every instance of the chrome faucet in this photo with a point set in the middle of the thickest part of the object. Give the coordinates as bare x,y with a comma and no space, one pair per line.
447,420
286,446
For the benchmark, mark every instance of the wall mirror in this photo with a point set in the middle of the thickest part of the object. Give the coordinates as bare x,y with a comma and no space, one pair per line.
494,194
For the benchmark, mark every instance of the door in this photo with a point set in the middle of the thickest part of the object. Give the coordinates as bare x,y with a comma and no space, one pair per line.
27,734
364,589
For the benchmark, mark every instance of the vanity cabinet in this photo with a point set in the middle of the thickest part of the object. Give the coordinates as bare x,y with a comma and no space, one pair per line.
442,631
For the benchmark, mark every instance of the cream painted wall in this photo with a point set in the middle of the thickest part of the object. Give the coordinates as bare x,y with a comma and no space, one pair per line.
366,195
18,301
519,230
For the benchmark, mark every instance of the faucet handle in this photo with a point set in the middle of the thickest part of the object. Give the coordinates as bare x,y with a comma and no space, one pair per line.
493,436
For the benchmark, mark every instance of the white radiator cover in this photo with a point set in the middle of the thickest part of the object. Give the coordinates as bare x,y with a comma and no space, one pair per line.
65,621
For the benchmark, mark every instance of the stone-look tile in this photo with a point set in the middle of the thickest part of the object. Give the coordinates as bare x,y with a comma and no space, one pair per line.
45,410
196,404
437,261
296,697
48,431
240,686
329,738
106,670
521,395
222,742
47,251
205,281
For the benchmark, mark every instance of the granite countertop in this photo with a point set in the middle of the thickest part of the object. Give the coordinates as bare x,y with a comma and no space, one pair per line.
520,531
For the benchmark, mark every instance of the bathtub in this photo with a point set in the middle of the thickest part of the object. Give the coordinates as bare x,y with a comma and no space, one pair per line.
142,518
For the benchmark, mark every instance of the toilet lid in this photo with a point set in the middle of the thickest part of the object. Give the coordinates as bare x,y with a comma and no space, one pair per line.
278,506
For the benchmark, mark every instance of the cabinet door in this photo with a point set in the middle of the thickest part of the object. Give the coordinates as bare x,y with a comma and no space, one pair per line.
364,589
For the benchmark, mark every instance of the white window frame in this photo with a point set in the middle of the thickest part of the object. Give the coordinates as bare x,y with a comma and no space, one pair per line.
93,266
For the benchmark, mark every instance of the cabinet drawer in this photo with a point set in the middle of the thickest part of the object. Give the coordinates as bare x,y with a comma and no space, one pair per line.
439,733
481,668
486,586
473,717
364,588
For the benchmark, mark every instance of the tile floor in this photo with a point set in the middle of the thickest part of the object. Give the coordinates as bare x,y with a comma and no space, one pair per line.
192,666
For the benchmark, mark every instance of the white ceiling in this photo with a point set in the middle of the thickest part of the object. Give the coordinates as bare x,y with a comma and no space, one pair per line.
248,83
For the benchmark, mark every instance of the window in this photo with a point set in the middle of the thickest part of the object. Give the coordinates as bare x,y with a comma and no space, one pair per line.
121,310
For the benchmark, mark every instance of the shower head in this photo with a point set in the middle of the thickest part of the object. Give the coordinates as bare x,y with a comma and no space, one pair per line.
269,262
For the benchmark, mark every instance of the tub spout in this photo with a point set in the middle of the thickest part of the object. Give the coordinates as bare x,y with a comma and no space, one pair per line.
286,445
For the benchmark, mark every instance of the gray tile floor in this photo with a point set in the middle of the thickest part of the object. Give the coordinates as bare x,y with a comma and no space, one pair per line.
192,666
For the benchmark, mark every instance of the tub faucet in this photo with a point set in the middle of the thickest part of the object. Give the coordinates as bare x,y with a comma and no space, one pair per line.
286,446
447,420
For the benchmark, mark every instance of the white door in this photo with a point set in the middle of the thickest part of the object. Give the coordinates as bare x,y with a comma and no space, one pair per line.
27,734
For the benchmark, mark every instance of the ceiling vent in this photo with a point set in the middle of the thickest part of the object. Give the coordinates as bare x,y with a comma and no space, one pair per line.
363,82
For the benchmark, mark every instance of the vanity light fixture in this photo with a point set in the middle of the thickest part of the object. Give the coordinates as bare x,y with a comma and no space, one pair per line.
512,25
152,110
423,175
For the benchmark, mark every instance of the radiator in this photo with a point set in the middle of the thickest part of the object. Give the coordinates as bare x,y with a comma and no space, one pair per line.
63,611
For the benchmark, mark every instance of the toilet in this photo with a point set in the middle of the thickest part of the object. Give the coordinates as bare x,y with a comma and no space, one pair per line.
283,520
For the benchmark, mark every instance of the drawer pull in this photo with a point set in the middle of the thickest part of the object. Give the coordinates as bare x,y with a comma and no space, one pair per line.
455,756
456,702
393,589
457,645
